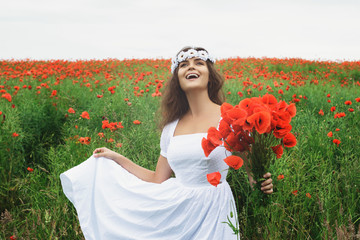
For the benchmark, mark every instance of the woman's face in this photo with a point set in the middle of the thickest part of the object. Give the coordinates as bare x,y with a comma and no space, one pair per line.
193,74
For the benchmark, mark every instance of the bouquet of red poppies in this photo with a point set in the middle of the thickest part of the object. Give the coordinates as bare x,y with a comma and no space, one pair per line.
258,128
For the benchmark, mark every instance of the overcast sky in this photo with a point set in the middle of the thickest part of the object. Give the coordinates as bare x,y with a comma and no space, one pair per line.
98,29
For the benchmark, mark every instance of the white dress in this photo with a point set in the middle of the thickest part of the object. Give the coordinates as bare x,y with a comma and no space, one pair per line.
112,203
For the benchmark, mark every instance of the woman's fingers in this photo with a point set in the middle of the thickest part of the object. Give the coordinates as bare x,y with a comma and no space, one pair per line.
267,175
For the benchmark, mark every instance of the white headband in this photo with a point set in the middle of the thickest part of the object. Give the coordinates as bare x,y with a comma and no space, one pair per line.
191,53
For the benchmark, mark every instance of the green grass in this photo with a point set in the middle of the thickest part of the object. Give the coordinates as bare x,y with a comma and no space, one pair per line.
33,206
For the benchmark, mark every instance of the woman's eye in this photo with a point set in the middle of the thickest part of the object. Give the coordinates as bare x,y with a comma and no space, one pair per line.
183,65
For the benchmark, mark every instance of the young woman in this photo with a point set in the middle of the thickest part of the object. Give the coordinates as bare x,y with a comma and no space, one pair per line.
118,199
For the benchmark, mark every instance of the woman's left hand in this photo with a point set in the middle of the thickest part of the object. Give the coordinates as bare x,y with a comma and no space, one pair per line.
267,186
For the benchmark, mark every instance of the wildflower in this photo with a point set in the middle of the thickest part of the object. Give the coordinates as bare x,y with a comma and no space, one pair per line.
348,102
330,134
30,169
357,99
337,129
71,110
333,108
85,140
85,115
119,145
233,161
295,192
7,96
281,91
280,177
329,101
240,94
321,112
136,122
328,95
101,135
350,109
214,178
0,112
99,96
336,141
308,195
289,140
15,134
278,150
54,93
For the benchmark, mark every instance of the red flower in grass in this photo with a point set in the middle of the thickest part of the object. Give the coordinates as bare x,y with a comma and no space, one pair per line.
333,108
15,134
233,161
289,140
214,178
350,109
278,150
71,110
295,192
0,112
54,93
85,140
308,195
12,237
7,96
337,129
348,102
280,177
330,134
85,115
336,141
328,95
30,169
136,122
357,99
321,112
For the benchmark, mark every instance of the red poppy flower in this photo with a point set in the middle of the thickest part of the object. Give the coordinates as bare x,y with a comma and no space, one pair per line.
214,178
261,121
337,129
99,96
54,93
136,122
280,177
7,96
0,112
336,141
233,161
71,110
350,109
328,95
207,146
348,102
289,140
291,109
357,99
330,134
30,169
281,129
85,140
101,135
15,134
214,136
295,192
85,115
224,128
269,99
308,195
321,112
12,237
329,101
278,150
333,108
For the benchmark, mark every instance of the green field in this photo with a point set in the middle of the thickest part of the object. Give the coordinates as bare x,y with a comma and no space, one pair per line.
318,198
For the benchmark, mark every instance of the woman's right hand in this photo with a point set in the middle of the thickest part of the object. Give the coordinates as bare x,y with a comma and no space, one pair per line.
104,152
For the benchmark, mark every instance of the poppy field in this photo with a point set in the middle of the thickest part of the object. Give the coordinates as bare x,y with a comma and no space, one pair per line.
54,113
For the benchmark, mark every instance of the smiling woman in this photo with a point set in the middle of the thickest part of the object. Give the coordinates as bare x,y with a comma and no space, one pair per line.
117,199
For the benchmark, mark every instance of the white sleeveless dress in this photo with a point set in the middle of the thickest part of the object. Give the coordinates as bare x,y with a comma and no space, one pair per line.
112,203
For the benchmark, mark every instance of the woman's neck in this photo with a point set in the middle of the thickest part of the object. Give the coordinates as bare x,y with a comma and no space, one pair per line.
200,104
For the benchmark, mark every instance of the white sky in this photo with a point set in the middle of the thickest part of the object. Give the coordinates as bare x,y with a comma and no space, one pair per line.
79,29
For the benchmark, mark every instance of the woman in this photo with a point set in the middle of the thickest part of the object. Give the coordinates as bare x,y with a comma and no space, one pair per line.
118,199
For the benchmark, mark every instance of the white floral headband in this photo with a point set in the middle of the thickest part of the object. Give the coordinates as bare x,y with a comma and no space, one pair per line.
191,53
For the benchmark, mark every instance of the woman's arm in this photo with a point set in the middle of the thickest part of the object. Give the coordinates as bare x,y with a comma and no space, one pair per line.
162,172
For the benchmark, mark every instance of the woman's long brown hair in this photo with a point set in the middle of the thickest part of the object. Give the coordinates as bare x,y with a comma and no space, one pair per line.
174,103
